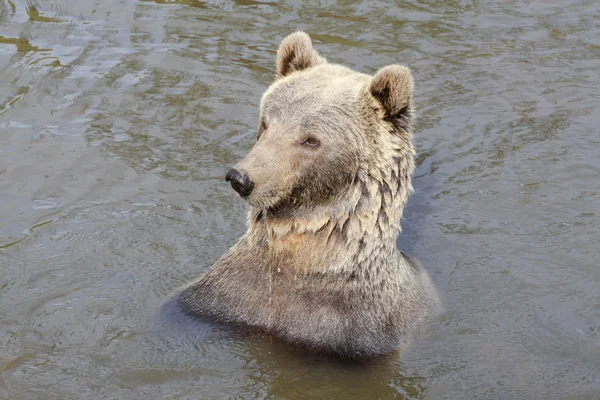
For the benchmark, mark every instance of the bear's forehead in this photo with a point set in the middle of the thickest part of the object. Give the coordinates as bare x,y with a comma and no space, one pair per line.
318,90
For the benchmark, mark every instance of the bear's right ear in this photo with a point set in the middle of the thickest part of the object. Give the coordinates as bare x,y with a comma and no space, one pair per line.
392,86
296,54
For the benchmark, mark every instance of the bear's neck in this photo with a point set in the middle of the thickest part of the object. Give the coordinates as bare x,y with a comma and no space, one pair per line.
358,230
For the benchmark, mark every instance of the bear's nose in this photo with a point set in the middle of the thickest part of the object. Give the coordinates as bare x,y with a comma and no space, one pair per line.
241,183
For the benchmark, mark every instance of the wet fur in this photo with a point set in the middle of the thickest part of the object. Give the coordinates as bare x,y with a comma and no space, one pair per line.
318,266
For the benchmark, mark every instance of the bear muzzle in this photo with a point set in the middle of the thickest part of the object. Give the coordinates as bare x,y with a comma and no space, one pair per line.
240,182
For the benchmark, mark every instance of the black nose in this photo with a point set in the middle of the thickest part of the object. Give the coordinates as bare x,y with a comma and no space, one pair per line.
241,183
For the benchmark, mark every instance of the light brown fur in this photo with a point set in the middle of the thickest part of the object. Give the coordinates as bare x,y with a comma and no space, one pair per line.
318,266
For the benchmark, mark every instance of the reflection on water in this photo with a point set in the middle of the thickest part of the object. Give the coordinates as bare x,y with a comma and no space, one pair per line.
35,15
118,121
191,3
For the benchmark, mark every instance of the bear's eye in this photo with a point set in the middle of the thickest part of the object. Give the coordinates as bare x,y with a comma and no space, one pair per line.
261,128
310,141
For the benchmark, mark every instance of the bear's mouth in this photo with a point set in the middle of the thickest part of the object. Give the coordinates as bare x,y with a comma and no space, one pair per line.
267,206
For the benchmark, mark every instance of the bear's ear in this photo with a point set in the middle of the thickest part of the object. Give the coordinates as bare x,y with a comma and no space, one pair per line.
295,54
392,86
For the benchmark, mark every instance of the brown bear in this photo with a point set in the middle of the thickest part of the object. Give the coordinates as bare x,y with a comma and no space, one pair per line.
326,182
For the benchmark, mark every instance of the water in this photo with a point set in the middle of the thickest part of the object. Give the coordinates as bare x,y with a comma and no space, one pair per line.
119,119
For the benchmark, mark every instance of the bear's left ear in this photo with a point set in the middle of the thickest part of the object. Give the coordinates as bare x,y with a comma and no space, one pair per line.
296,54
392,86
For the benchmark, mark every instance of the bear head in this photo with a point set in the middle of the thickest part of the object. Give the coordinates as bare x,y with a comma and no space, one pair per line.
323,130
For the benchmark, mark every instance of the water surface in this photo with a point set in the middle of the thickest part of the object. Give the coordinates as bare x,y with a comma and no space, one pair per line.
119,119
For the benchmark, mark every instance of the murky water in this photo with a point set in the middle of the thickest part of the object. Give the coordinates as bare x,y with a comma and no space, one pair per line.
119,119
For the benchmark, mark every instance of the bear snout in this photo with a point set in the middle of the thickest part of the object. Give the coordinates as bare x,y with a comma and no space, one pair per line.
240,182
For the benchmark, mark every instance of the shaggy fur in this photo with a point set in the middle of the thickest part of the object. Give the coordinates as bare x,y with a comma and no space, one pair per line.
318,266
